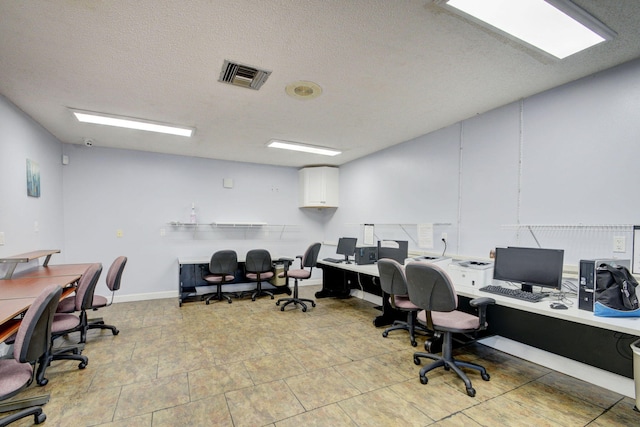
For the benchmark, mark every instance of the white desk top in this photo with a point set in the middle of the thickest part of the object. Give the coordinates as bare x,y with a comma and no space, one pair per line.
572,314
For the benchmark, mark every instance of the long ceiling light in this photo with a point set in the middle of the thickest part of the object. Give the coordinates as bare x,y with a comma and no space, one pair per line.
286,145
558,27
130,123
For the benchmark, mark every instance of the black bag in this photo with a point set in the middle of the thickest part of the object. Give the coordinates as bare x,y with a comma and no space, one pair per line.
615,292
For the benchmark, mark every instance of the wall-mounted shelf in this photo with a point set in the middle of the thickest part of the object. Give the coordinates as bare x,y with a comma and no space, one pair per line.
231,229
570,227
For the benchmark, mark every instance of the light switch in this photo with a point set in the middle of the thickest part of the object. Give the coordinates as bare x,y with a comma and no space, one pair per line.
1,238
119,233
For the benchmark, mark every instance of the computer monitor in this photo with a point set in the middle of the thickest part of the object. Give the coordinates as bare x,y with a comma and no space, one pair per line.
347,247
529,267
395,249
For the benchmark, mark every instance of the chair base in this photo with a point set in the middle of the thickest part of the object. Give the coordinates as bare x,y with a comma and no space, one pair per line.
38,416
65,353
295,301
448,362
99,324
411,325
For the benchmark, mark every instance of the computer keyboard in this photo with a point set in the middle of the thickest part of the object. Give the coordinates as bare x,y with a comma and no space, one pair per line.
336,260
513,293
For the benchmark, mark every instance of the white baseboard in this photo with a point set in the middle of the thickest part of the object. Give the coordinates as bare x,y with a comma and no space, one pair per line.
591,374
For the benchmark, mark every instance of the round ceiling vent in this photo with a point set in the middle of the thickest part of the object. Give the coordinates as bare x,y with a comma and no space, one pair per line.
303,90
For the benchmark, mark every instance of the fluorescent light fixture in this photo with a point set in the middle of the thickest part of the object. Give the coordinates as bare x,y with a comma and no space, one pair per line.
558,27
286,145
130,123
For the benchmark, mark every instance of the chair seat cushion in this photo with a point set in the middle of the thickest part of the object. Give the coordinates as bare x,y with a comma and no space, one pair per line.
297,274
64,322
15,375
218,279
452,320
263,276
67,305
99,301
403,302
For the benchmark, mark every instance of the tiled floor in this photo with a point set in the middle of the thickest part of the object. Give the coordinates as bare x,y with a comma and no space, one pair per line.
249,364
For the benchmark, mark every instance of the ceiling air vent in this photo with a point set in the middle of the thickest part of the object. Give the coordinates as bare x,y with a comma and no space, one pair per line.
243,75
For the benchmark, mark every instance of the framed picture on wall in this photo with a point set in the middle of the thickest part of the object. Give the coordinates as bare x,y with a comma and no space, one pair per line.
33,179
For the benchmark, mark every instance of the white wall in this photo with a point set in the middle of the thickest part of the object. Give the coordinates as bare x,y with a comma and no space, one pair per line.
566,156
21,138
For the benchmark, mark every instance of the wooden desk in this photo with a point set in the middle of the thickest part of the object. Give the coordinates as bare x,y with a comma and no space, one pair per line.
575,334
16,296
53,271
14,260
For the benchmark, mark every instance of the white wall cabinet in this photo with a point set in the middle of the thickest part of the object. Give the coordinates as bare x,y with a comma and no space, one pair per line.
319,187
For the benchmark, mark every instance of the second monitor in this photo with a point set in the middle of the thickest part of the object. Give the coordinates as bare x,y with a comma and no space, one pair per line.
347,247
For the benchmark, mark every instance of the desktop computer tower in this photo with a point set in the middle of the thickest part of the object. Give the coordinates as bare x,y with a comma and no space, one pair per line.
366,255
587,283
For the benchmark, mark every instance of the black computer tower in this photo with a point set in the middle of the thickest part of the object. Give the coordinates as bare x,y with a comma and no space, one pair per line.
366,255
587,283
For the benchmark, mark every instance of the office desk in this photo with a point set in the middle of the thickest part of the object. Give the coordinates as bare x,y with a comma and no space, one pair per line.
16,296
54,271
14,260
572,333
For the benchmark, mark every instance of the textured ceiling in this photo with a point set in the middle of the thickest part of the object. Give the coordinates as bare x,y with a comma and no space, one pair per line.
389,70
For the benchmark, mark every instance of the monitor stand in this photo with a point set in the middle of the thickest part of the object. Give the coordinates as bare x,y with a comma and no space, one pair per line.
346,259
527,288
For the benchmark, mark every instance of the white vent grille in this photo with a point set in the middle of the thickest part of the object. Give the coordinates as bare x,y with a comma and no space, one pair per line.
243,75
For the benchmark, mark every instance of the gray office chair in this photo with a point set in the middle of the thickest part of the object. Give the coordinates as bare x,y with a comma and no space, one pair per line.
394,283
258,268
66,323
431,289
222,269
31,343
113,280
309,261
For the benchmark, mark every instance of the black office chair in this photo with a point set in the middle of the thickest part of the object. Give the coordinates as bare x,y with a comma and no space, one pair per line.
309,261
394,283
222,269
258,268
31,343
431,289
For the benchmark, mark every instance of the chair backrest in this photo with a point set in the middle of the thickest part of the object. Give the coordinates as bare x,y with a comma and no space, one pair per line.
223,262
310,257
430,287
114,274
87,286
34,335
392,277
258,261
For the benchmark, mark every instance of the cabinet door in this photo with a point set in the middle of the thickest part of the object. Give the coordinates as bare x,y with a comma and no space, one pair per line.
319,187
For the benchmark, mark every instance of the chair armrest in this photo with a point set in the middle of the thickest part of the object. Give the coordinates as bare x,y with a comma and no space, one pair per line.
481,304
285,261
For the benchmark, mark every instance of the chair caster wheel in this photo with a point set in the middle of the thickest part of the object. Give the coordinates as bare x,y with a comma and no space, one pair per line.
82,365
485,377
446,368
304,308
253,299
40,418
385,334
278,302
313,304
282,308
414,343
416,360
424,379
116,332
206,302
229,301
43,382
471,392
271,296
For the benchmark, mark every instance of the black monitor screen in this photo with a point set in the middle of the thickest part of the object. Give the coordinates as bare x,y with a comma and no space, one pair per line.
529,267
395,249
347,247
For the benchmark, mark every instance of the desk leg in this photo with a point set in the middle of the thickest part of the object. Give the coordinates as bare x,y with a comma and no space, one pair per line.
334,284
389,314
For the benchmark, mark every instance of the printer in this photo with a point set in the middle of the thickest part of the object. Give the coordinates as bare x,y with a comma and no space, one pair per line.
366,255
471,273
440,261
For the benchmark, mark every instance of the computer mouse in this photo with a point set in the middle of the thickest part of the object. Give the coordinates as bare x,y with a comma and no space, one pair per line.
558,306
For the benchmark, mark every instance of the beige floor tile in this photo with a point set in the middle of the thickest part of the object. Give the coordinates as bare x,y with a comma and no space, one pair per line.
456,420
383,408
143,397
119,374
368,374
330,415
137,421
273,367
436,399
505,412
621,414
319,357
209,412
262,404
220,379
583,390
82,409
321,387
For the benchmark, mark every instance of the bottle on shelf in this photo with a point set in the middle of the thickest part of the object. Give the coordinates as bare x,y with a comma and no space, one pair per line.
192,218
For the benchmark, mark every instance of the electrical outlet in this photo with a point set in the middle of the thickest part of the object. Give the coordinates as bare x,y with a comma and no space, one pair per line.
1,238
36,227
444,236
619,244
162,232
119,233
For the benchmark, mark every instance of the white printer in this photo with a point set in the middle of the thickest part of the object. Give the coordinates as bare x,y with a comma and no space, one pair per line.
471,273
440,261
